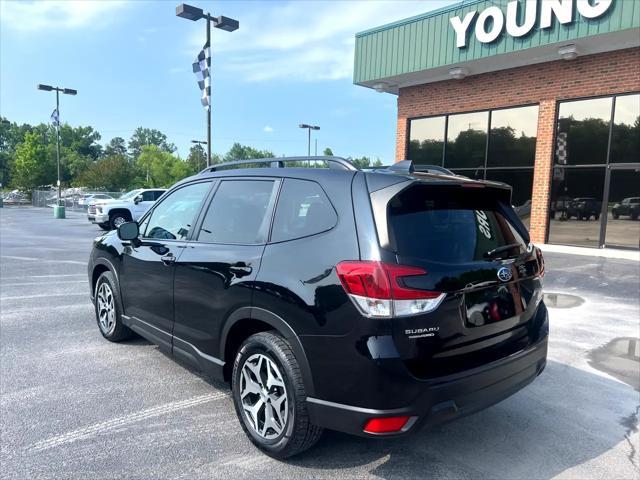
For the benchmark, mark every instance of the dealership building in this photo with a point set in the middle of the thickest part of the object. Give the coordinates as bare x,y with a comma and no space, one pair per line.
541,94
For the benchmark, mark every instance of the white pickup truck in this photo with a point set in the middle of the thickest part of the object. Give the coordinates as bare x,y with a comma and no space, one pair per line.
110,214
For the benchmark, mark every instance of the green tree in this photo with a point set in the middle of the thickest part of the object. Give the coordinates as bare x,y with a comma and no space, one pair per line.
146,137
158,168
116,146
197,158
243,152
328,152
31,167
111,173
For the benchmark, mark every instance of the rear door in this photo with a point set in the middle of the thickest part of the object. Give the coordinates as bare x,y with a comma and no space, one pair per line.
473,248
216,272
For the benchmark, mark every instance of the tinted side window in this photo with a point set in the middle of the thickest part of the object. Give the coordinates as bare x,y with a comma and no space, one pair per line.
238,213
157,194
303,210
173,218
148,196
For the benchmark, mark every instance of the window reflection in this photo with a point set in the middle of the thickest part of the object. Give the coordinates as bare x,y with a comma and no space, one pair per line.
625,141
521,181
427,140
583,126
466,140
623,212
512,140
576,202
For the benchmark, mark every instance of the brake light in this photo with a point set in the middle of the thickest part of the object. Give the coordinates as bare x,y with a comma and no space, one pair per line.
377,289
386,425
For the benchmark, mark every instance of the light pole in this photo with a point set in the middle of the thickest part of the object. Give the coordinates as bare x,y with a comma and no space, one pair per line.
309,128
227,24
201,142
58,212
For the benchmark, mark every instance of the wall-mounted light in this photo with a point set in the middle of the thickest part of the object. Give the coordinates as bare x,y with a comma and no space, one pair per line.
568,52
458,73
381,87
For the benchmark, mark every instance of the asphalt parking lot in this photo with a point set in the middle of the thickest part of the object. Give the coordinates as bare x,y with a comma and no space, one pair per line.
73,405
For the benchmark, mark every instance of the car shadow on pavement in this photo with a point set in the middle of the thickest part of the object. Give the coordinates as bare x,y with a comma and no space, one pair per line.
565,418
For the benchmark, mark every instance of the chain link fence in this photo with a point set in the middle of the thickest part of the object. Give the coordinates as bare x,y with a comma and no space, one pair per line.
74,199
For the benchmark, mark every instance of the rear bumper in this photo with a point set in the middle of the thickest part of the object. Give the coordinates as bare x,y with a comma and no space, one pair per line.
444,399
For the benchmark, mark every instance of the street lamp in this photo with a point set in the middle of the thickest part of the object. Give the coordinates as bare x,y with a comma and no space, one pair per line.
59,211
309,128
227,24
199,142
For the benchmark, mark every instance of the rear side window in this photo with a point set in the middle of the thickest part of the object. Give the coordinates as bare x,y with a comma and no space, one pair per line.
239,213
450,226
303,209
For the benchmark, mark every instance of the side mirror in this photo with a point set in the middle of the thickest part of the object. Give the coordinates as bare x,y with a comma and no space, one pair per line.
129,231
137,199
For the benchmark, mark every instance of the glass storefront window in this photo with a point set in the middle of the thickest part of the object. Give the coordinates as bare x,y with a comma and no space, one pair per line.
625,141
623,212
584,126
512,138
426,142
576,203
466,140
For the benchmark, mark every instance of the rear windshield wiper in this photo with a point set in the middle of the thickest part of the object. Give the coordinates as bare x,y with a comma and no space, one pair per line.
501,249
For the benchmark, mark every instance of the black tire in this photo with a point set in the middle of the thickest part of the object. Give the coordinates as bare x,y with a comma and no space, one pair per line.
615,215
298,433
118,217
634,216
119,331
597,216
104,226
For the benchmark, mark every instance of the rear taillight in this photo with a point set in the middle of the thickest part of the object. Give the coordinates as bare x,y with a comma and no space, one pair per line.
377,289
540,258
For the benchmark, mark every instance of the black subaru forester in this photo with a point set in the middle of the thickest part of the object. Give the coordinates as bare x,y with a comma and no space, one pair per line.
370,302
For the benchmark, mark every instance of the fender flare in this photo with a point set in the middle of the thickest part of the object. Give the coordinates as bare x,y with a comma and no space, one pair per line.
278,323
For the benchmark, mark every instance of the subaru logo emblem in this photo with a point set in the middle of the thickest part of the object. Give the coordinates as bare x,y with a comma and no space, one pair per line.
504,274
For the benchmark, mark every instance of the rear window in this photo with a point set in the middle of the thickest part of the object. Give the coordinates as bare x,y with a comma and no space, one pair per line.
450,225
303,210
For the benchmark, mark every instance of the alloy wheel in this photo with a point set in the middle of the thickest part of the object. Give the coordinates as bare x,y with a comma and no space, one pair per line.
264,396
118,221
106,309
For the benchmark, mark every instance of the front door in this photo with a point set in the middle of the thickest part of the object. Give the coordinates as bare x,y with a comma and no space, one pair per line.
216,272
622,219
147,271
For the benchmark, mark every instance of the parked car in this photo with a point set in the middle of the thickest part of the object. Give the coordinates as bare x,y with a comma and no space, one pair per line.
373,303
85,200
583,208
627,207
109,214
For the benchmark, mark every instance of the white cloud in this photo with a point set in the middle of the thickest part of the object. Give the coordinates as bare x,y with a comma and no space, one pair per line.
268,129
57,14
302,40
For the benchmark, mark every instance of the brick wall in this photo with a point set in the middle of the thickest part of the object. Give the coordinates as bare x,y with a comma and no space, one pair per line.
546,83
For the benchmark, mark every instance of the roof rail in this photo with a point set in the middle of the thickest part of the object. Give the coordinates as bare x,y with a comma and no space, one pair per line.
332,162
407,167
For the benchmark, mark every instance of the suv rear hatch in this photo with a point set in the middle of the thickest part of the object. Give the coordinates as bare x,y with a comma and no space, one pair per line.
472,247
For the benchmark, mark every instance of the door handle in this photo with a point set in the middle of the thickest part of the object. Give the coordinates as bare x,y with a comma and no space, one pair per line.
168,259
240,269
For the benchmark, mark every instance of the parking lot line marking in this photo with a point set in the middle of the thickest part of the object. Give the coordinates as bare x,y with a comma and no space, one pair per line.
119,422
24,284
21,277
33,259
22,297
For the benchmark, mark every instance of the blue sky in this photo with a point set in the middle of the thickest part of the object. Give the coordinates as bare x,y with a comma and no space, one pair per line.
289,63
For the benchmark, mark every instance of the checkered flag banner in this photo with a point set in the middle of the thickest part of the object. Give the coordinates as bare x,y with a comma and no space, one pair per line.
55,119
202,71
561,148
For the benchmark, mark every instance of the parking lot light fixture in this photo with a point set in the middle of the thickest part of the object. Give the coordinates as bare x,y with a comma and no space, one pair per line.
309,128
58,211
189,12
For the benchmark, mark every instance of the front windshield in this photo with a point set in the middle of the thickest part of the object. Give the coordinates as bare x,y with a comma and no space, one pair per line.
130,194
